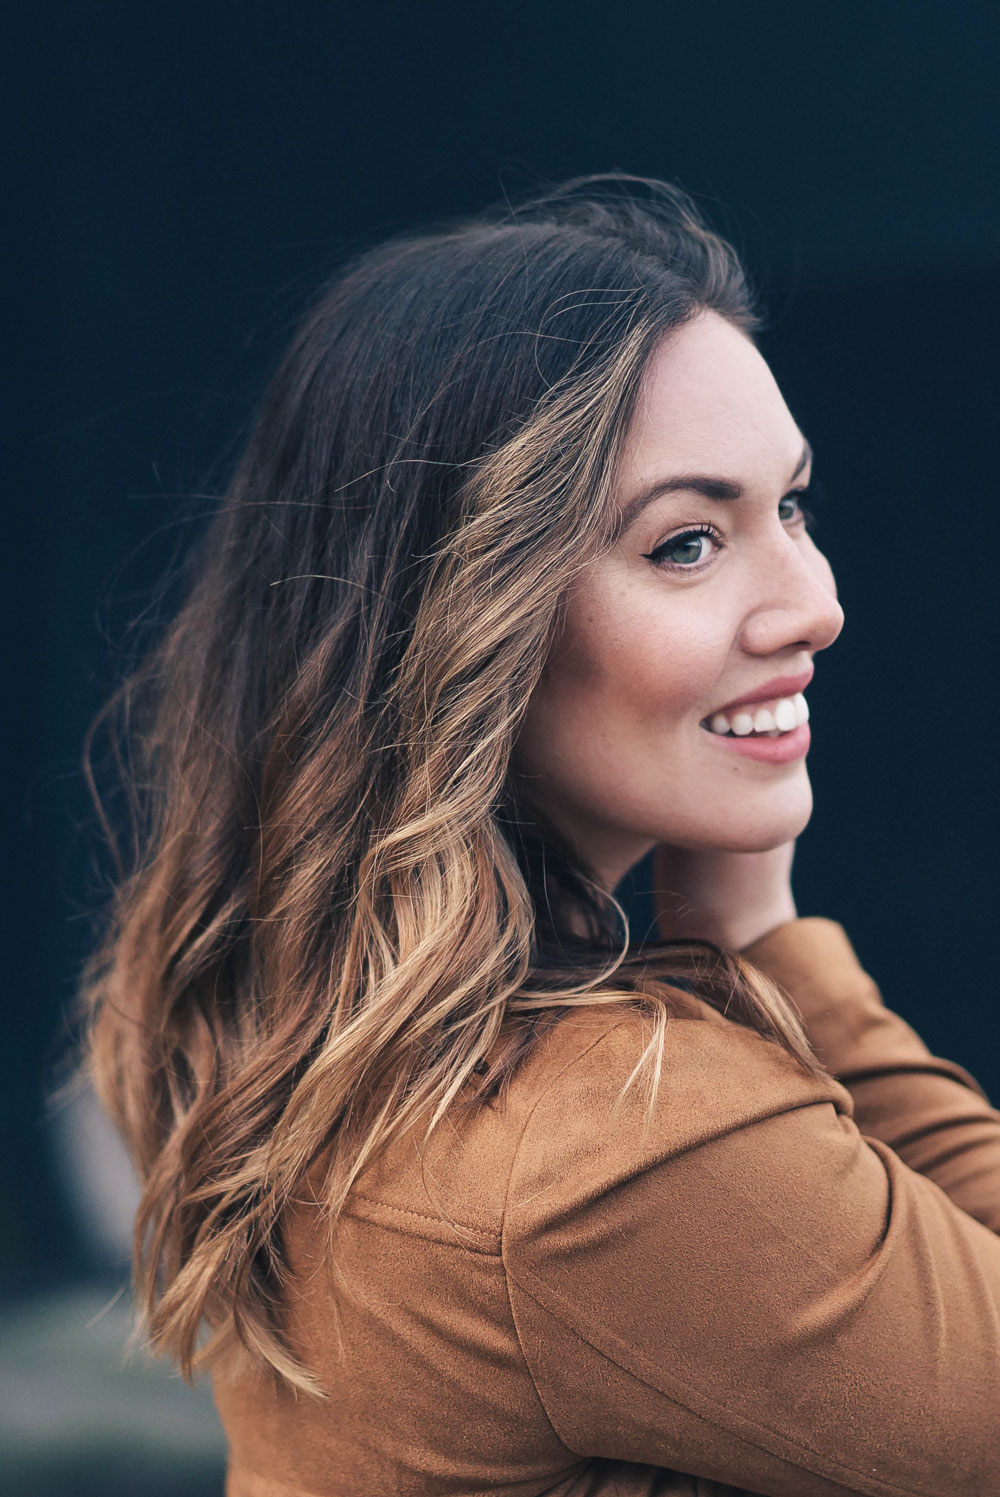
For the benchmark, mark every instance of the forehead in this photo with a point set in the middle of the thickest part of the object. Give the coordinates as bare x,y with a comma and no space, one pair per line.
708,397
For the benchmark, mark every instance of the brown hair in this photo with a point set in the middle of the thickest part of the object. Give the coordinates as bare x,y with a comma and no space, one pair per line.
340,912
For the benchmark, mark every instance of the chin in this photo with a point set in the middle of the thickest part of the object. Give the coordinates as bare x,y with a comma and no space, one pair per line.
761,842
752,824
769,827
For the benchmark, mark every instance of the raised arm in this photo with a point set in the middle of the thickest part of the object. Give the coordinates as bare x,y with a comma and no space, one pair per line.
931,1111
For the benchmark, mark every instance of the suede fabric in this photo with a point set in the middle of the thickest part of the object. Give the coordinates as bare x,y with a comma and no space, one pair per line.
774,1286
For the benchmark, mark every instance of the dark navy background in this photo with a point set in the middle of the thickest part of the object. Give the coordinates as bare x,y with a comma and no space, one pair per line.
183,178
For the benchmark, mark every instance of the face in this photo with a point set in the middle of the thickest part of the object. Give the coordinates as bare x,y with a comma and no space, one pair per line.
703,600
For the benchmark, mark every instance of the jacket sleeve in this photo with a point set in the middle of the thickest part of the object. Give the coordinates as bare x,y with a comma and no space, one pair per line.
930,1111
745,1288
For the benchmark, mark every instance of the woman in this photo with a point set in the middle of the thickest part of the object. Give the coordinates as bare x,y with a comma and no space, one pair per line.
453,1184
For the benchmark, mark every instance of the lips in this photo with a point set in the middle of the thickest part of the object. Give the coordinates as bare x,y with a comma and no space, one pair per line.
776,740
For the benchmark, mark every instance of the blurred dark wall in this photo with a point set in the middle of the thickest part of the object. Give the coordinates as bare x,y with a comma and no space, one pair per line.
183,179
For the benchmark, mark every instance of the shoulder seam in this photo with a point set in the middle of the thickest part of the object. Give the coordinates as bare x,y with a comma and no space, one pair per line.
760,1429
490,1240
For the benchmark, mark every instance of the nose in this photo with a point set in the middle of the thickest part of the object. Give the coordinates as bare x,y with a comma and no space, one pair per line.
794,601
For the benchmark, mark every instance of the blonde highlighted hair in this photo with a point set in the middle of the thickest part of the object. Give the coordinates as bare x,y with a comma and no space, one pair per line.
340,912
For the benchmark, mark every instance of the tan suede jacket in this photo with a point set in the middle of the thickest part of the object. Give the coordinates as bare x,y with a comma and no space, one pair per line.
779,1287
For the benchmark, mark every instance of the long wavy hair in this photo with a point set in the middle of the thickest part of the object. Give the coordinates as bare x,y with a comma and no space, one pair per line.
339,912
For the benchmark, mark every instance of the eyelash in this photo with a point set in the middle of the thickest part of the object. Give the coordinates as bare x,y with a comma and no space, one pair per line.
814,491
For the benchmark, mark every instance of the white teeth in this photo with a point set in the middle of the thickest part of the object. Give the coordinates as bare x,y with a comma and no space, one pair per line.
785,715
780,716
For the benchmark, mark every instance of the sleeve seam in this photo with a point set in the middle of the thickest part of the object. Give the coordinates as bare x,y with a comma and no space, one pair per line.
835,1467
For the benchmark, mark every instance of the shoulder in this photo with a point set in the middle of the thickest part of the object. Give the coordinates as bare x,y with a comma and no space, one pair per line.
711,1065
591,1121
725,1278
563,1130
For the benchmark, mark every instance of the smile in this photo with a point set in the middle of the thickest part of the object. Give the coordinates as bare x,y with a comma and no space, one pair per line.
772,746
775,719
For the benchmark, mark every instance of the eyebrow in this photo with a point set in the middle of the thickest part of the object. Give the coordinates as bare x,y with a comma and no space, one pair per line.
699,483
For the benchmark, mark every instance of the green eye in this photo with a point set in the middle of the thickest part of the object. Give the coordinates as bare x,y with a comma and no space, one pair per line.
798,495
686,550
666,555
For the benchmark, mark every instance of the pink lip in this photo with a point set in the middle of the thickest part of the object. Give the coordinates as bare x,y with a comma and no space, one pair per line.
771,750
781,686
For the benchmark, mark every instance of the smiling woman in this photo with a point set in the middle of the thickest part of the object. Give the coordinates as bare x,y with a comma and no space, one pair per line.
451,1183
654,643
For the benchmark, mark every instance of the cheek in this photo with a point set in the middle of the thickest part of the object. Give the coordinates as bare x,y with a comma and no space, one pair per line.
634,660
681,666
653,653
